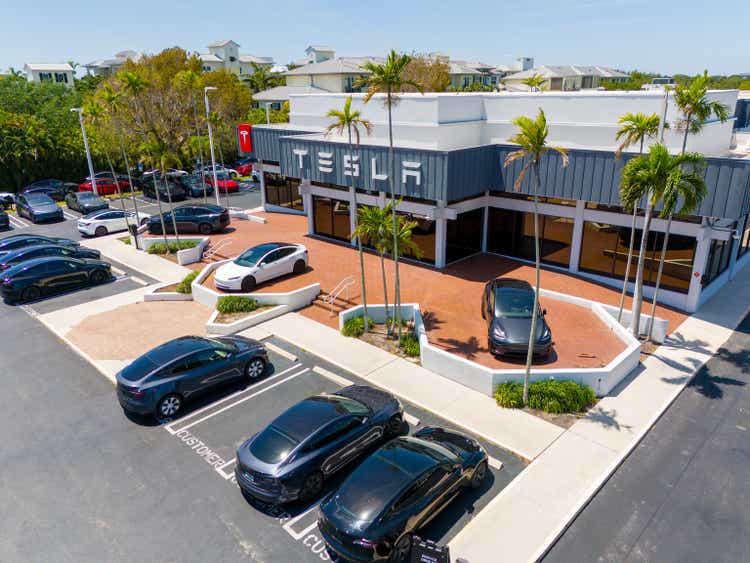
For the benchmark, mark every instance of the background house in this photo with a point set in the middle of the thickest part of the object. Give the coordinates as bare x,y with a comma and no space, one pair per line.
108,67
226,55
59,73
565,78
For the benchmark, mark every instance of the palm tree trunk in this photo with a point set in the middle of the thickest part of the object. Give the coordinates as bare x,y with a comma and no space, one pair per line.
627,266
132,188
687,130
359,240
638,291
662,259
171,210
385,292
119,193
537,271
226,188
391,175
200,147
161,214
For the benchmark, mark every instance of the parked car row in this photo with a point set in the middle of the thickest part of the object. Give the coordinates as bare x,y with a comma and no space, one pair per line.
402,483
32,266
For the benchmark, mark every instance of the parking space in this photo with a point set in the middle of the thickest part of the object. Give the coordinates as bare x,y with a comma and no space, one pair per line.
211,431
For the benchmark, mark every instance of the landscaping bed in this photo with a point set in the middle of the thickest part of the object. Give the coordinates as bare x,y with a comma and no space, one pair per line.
228,318
377,335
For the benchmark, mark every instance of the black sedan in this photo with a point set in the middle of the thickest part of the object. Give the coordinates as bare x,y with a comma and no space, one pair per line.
204,218
507,305
7,200
30,252
38,207
195,185
85,202
166,190
56,189
4,220
162,379
291,458
32,279
15,242
398,490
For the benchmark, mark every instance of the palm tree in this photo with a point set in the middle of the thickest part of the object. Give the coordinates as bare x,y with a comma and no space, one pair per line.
532,139
262,78
534,82
161,158
374,225
635,127
218,124
348,120
190,80
389,78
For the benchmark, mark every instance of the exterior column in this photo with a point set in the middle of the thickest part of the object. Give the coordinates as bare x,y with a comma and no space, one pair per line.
700,260
735,240
381,200
352,216
305,191
441,232
262,185
485,223
575,243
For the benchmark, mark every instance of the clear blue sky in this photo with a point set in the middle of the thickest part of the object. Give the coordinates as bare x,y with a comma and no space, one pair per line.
668,36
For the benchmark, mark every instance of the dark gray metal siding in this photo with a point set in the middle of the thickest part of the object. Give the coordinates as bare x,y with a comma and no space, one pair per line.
472,172
266,144
595,176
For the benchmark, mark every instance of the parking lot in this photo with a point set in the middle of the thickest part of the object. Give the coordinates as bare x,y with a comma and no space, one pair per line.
210,432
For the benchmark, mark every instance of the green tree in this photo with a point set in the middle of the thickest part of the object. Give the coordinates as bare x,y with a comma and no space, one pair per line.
635,128
388,78
190,80
374,226
531,137
349,121
261,78
535,82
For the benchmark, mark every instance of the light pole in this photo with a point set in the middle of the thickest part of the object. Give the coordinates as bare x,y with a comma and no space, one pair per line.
211,141
79,111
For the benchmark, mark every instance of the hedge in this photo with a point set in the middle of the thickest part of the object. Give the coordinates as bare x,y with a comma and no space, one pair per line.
550,396
236,304
355,327
410,345
185,286
160,248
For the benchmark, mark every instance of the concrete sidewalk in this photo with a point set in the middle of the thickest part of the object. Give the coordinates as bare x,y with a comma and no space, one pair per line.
519,432
148,264
525,519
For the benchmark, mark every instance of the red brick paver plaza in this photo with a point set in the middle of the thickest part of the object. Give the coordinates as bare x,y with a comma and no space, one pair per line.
450,299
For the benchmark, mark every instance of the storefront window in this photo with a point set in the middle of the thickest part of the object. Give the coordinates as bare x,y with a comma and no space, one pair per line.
718,260
604,251
423,235
464,235
745,241
282,191
331,218
512,233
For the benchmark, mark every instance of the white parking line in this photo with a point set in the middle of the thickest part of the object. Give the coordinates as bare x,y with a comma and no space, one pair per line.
117,271
169,427
138,280
343,381
281,352
69,215
299,535
494,463
411,419
18,222
220,469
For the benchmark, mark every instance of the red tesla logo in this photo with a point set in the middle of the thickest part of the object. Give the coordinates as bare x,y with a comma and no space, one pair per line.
245,138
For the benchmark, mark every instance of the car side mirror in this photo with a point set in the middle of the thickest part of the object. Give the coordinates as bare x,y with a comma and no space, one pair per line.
544,312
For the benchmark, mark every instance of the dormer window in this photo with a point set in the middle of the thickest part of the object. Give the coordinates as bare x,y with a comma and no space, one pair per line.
232,59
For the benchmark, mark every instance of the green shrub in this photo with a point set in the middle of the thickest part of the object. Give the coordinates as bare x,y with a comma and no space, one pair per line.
185,285
160,248
550,396
236,304
355,327
410,345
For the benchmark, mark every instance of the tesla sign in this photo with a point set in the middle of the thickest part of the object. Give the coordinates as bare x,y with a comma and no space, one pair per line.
244,138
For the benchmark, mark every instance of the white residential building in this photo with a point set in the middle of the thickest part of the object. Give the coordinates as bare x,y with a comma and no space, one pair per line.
108,67
565,78
226,55
59,73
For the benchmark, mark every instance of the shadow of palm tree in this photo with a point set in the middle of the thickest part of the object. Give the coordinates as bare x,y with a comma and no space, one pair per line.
607,418
430,320
467,348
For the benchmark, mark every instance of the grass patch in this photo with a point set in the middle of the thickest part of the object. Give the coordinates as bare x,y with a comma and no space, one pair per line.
236,304
161,248
355,327
551,396
124,240
410,345
185,285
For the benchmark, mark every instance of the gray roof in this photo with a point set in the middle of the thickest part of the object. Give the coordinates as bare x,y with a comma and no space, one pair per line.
462,67
555,71
320,48
222,43
338,65
210,58
49,66
256,60
283,93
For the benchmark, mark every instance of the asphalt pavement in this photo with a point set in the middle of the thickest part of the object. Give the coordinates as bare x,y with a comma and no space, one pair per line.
683,494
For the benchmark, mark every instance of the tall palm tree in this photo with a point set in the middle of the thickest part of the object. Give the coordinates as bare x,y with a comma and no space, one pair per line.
532,140
374,225
191,80
635,127
351,121
261,78
388,78
218,124
696,109
534,82
161,158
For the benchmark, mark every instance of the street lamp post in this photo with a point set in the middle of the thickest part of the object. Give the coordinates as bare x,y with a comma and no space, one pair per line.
211,142
79,111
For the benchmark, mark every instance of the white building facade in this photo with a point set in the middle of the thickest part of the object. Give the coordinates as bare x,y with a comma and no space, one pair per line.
56,73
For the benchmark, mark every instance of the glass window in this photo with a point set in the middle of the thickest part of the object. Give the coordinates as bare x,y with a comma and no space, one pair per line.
423,235
331,218
512,233
745,240
464,235
272,445
604,251
282,191
718,260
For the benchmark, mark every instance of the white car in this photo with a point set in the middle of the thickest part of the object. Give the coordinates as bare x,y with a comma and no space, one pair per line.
105,221
260,264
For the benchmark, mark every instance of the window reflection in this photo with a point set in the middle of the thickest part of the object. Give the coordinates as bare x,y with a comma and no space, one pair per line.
512,233
282,191
331,218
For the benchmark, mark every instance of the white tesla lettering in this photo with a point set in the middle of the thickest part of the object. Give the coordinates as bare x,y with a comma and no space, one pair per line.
301,154
412,169
351,165
325,162
244,135
374,168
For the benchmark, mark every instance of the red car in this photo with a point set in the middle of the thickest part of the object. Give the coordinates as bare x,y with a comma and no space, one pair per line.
245,169
225,183
105,185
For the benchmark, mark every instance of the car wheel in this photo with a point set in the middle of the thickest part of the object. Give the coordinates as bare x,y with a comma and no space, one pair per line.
98,276
144,221
312,487
255,368
477,478
204,229
393,426
248,284
401,549
31,293
299,267
100,231
169,406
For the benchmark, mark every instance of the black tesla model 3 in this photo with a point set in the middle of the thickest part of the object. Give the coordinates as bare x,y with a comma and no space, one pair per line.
38,251
396,491
291,458
161,380
14,242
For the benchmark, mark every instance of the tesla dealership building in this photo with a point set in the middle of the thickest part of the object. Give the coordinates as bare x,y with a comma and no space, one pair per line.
450,176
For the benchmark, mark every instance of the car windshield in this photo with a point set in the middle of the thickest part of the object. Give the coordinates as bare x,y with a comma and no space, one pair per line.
253,255
138,368
39,199
272,445
222,344
349,405
514,303
88,196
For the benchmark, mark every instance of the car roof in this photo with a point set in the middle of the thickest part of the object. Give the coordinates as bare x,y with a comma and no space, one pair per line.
511,283
211,206
98,212
308,416
14,238
176,348
38,197
25,249
35,262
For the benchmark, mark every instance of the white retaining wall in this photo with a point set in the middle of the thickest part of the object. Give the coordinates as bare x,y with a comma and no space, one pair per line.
212,327
186,256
